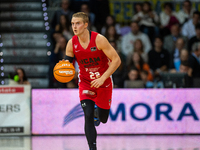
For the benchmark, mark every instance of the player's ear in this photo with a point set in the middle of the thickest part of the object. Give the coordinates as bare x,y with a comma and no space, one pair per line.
86,25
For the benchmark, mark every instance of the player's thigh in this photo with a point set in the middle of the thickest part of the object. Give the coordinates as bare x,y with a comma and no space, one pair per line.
104,98
88,107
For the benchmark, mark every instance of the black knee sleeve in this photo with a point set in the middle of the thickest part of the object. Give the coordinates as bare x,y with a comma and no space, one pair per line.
103,114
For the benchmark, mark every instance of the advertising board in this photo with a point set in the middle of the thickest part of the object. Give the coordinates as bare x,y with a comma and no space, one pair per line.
15,110
133,111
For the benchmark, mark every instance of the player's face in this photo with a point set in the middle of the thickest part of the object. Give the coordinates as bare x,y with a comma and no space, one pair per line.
78,25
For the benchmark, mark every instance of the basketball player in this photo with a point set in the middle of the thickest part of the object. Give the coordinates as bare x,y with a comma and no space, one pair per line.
97,60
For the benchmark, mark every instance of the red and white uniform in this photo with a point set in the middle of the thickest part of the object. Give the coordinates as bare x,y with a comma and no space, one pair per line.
92,64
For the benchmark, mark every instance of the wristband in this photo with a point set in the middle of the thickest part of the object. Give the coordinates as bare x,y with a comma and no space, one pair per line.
69,58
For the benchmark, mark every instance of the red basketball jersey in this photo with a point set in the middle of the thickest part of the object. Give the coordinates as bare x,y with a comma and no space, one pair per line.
92,61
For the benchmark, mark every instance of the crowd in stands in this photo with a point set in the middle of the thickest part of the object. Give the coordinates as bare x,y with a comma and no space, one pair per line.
151,45
18,77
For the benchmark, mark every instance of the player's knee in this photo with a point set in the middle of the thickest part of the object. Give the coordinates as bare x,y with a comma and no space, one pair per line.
89,115
103,120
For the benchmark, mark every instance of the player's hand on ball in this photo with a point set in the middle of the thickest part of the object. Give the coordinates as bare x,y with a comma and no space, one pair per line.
97,83
63,60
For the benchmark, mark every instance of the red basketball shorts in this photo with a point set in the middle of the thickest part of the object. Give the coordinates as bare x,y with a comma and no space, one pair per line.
102,96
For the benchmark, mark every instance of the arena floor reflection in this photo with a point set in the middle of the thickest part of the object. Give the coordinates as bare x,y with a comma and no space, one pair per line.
142,142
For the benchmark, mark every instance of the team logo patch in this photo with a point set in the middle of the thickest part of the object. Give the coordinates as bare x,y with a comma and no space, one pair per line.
75,46
93,49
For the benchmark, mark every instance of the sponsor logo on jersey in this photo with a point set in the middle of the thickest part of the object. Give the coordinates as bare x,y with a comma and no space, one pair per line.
89,62
93,49
88,92
77,51
107,85
92,69
109,102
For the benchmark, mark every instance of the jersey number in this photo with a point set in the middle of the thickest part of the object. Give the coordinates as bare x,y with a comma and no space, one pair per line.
94,75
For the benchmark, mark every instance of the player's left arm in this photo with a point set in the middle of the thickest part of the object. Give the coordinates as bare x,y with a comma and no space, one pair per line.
103,44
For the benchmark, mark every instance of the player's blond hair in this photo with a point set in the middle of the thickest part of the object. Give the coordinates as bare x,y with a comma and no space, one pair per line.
82,15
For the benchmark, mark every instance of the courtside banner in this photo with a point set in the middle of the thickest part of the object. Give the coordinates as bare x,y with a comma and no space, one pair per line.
124,10
133,111
15,110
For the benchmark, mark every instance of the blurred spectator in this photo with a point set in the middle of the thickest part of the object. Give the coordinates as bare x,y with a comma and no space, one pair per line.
167,19
129,39
194,60
64,10
195,38
148,20
63,29
133,74
122,56
133,79
85,8
119,75
139,63
91,27
101,14
184,67
13,78
112,35
110,21
144,77
100,8
188,28
170,40
137,8
138,47
175,60
22,76
158,57
59,49
184,55
186,12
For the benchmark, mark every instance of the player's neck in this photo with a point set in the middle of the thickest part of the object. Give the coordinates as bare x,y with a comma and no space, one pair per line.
85,37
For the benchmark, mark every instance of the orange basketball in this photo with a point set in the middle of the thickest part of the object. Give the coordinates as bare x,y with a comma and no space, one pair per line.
64,71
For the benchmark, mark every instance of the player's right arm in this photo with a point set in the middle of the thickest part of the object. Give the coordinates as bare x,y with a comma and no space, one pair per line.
69,52
69,49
